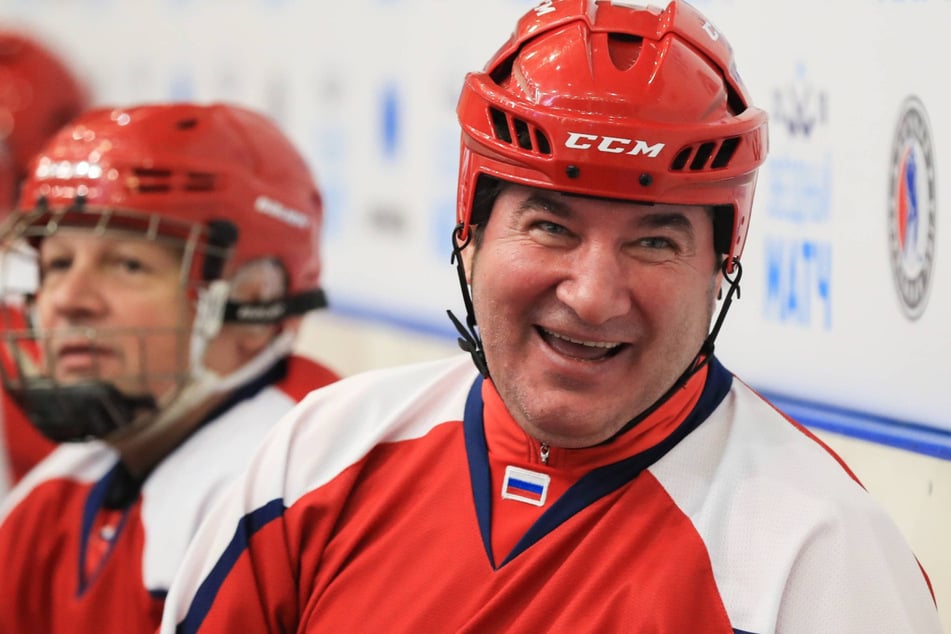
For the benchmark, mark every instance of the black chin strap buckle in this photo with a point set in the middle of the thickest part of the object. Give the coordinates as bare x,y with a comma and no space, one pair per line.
705,355
470,342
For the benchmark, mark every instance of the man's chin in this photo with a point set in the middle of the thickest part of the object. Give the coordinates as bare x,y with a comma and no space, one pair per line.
570,424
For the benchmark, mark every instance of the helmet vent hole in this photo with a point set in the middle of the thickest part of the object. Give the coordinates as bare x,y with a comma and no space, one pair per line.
702,156
734,100
624,49
501,125
151,172
681,159
543,145
153,188
726,151
199,182
521,133
518,132
151,180
186,124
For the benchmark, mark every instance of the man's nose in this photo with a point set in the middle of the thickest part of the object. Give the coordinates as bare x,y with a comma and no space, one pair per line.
76,292
597,286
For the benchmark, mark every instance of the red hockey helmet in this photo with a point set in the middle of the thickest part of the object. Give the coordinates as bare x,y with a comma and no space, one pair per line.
188,165
604,99
38,95
220,183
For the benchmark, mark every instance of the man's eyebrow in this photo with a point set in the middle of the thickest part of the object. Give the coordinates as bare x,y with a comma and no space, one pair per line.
673,220
540,200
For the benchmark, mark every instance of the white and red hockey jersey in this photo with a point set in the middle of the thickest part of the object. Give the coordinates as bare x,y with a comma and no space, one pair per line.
409,500
86,549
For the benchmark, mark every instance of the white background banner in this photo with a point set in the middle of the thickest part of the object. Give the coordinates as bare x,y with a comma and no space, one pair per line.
847,274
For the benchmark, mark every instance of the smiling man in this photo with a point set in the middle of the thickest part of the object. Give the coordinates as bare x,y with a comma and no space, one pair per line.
579,299
599,470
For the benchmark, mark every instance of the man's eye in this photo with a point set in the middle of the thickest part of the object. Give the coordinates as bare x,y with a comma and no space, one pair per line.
53,264
656,243
550,227
130,265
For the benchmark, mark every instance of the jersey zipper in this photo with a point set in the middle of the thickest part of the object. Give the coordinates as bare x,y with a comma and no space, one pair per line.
543,450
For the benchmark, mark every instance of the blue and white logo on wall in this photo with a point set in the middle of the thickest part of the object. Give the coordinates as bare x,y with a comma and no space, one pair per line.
912,208
797,248
799,106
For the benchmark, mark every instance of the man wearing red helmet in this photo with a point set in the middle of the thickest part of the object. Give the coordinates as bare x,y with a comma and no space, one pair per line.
38,95
601,471
177,247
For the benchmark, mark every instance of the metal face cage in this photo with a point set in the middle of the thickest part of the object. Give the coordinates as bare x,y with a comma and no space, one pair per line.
99,404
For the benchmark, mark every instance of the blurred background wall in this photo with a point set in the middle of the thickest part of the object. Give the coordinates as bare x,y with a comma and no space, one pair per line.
845,316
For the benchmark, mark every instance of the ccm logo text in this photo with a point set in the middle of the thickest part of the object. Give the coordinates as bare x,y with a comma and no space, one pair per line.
612,144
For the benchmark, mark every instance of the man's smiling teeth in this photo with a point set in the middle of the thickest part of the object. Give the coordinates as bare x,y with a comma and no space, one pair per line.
592,344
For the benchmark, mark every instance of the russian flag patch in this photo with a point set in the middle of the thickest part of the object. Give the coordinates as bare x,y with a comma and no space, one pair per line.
525,486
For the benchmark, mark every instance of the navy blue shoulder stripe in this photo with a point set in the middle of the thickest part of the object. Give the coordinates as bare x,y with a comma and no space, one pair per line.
208,590
477,454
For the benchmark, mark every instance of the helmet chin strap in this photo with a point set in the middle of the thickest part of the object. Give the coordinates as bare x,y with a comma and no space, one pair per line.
204,383
705,354
469,339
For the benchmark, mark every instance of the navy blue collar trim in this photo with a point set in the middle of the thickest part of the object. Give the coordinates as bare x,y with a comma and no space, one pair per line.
119,489
592,486
96,501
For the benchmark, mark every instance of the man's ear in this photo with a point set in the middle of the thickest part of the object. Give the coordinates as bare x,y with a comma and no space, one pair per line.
250,340
258,281
718,277
468,254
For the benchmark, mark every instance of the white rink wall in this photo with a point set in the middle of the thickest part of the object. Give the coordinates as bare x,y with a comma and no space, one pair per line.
846,309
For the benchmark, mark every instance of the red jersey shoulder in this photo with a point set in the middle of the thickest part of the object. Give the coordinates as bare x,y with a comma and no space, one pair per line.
303,376
24,444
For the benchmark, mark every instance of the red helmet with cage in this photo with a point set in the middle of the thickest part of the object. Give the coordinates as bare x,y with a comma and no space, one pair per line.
219,183
193,165
609,100
38,95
